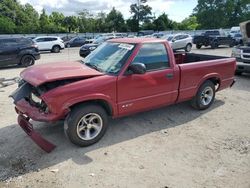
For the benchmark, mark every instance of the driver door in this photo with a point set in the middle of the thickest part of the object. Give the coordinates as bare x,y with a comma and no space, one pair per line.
157,87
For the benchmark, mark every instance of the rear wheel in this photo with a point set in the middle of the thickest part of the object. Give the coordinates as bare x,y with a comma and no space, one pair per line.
205,96
27,60
56,49
86,124
188,47
198,46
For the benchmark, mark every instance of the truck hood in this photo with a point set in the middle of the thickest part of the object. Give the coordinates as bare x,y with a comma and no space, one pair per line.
245,30
40,74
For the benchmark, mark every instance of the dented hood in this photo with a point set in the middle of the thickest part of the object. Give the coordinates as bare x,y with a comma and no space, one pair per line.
40,74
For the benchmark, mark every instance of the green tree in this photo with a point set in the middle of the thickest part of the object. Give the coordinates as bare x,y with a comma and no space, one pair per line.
162,23
70,22
220,14
7,25
101,22
57,22
44,22
86,21
189,23
115,21
140,13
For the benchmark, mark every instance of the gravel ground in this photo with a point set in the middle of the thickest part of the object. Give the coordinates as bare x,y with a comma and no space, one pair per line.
171,147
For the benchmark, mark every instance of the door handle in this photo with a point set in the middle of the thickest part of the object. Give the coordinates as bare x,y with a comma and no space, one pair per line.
170,76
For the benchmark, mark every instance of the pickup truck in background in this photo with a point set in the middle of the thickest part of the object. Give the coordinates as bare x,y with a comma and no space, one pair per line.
242,52
213,38
121,77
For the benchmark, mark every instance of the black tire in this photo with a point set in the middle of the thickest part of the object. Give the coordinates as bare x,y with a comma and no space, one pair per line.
27,60
188,47
198,46
72,123
232,44
56,49
199,102
214,45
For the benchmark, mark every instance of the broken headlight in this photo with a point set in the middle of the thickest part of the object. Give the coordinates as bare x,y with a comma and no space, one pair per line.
35,99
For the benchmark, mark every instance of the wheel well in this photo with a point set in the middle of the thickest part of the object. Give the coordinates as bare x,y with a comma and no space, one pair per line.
104,104
216,82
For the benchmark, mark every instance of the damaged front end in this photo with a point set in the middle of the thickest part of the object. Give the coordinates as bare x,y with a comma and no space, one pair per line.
30,105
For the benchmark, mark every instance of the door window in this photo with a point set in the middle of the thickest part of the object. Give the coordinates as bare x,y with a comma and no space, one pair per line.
40,40
153,55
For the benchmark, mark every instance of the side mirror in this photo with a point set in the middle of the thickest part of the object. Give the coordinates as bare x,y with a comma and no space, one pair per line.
137,68
173,40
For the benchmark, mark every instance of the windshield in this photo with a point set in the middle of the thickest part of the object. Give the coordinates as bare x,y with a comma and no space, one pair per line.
170,38
109,57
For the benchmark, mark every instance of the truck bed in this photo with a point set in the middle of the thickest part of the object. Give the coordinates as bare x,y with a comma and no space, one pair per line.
196,68
183,58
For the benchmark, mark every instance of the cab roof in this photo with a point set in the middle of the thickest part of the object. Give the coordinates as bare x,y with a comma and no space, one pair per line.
137,40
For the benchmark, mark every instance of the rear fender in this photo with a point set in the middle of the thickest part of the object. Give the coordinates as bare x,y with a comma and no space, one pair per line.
208,77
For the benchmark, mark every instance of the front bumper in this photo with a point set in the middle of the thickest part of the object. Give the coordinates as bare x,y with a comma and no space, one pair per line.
37,56
23,107
242,66
36,137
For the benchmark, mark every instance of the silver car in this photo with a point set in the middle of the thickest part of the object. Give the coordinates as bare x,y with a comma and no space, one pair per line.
180,41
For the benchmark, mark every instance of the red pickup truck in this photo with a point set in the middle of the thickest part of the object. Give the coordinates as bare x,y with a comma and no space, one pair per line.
121,77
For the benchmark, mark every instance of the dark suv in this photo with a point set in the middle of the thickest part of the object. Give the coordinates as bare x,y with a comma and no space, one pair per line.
213,38
18,51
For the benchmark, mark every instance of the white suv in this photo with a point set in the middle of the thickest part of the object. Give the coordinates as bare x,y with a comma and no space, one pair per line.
179,41
49,43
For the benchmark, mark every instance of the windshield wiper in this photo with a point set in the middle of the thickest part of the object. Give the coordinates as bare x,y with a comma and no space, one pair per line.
94,67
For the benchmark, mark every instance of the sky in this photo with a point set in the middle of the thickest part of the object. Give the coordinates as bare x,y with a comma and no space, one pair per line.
177,10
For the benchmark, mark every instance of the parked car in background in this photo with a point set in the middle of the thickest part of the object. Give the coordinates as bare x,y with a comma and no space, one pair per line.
112,35
88,48
238,38
76,42
234,30
18,51
213,38
242,52
145,32
67,38
180,41
49,43
157,35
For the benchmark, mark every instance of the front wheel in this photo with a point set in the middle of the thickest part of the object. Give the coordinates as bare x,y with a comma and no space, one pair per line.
205,96
86,124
